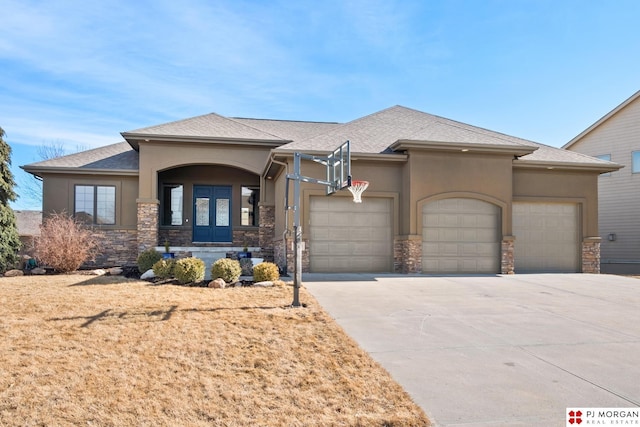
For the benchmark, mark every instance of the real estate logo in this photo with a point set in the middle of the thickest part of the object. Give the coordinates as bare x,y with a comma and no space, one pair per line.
603,417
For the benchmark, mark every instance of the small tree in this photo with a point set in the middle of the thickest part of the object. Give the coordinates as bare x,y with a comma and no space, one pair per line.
9,239
64,243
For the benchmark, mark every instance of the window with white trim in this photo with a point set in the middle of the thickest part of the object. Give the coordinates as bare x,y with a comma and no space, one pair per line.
249,206
95,204
172,204
635,162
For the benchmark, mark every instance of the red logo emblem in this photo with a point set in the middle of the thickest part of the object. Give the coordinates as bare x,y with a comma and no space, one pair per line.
575,417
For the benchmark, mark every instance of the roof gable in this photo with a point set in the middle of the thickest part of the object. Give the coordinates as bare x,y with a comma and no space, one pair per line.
602,120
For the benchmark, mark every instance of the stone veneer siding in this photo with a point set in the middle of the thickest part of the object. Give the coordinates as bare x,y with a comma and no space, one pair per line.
119,247
407,255
507,262
147,225
591,255
267,221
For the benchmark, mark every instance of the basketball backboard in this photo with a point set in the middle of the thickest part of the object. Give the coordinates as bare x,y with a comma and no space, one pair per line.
339,168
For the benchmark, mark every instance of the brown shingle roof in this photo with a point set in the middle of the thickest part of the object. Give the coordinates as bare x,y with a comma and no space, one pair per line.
289,129
372,134
376,132
206,126
118,156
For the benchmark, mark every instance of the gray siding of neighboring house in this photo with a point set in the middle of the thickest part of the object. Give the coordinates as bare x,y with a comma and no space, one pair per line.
618,192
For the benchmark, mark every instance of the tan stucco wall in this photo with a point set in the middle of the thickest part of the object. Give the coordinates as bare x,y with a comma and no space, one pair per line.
561,186
155,157
58,194
431,175
384,178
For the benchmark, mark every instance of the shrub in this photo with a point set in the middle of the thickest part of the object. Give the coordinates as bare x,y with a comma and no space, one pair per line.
189,270
265,271
164,268
226,269
64,243
247,266
147,259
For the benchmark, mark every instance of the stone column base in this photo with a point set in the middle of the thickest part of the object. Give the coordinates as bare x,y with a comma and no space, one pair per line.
147,224
591,255
407,254
507,262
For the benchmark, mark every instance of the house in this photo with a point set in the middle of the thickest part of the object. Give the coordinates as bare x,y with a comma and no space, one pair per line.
444,196
616,137
28,223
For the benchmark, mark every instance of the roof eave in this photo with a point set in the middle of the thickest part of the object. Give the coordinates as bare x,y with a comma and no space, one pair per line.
540,164
511,149
134,140
38,171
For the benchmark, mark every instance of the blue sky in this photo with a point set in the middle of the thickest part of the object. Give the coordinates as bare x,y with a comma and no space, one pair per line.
79,73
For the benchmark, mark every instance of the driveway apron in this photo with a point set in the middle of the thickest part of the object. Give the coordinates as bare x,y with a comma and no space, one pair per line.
496,350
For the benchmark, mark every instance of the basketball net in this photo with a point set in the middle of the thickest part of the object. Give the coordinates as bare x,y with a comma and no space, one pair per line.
357,188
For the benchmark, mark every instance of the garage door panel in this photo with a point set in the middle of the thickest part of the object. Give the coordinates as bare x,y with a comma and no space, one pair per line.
460,236
547,237
353,238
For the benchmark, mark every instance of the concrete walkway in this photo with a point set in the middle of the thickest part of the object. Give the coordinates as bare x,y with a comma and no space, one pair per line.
496,350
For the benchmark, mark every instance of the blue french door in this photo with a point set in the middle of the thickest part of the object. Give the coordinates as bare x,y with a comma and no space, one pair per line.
212,213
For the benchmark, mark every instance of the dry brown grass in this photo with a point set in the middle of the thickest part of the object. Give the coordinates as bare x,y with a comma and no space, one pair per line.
80,350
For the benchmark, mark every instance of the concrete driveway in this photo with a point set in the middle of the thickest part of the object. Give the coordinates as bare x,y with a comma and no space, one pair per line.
496,350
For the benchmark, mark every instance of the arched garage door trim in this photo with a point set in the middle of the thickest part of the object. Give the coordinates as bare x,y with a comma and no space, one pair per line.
504,206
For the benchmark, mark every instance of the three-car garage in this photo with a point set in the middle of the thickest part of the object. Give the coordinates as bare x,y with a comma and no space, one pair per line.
459,236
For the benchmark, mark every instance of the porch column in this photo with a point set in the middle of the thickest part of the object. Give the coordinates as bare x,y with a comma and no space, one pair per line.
147,223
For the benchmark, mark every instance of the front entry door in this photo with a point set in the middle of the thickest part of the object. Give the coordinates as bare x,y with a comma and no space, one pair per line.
212,213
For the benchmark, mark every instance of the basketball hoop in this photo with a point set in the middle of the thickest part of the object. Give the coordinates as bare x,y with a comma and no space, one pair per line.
357,188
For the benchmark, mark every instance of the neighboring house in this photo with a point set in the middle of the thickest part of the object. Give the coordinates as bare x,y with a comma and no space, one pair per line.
28,223
444,196
616,137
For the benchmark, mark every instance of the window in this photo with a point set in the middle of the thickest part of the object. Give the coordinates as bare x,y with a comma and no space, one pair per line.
249,208
95,204
635,161
606,157
172,204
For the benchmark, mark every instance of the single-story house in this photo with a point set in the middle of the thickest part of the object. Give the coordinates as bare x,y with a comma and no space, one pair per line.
444,196
616,137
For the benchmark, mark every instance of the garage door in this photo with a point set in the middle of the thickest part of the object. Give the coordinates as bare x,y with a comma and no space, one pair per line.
547,237
350,237
460,236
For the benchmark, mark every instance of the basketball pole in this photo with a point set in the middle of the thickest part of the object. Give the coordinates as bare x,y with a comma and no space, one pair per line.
297,232
330,183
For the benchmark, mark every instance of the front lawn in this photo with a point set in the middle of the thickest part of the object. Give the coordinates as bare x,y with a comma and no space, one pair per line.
101,351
